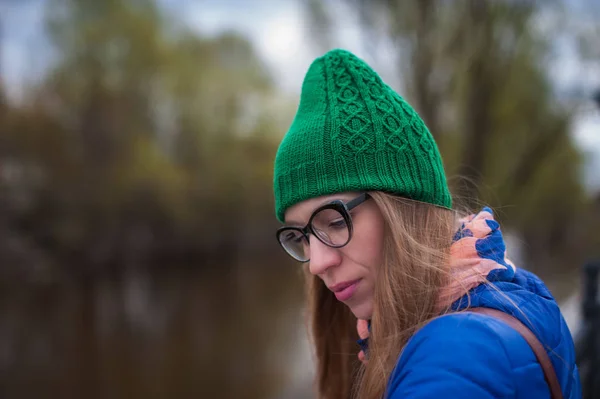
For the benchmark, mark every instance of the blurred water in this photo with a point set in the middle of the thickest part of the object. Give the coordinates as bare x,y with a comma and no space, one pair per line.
152,334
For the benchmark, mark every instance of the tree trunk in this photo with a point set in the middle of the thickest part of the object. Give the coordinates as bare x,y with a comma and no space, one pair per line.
476,109
426,98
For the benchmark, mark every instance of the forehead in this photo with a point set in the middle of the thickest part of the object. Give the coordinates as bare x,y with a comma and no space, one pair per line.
299,213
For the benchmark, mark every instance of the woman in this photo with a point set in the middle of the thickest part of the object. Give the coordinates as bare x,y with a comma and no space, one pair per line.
360,187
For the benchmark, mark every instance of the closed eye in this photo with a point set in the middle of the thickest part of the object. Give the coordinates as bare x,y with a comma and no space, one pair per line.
337,224
295,238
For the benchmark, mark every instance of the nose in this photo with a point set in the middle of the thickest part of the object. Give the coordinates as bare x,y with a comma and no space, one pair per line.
322,257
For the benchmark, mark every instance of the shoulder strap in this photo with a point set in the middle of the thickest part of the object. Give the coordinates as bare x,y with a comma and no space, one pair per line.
534,343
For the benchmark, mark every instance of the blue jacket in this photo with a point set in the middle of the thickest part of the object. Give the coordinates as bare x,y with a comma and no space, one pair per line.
468,355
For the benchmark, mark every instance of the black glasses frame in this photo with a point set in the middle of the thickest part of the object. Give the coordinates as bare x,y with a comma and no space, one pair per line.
343,208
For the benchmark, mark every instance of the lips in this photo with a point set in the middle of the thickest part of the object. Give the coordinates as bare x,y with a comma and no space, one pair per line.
344,291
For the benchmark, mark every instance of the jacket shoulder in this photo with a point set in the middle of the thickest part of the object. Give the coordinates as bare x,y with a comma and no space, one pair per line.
465,355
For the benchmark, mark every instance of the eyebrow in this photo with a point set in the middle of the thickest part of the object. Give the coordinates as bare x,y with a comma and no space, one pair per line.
325,202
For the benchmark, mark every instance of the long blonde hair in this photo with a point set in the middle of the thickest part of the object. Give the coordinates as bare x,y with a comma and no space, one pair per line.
416,250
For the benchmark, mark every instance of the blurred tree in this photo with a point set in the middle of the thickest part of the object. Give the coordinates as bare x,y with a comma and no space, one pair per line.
140,162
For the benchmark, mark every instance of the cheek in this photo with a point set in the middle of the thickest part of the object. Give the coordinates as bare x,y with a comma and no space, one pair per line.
367,247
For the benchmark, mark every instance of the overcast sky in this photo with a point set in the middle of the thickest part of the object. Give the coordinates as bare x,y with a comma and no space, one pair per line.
278,30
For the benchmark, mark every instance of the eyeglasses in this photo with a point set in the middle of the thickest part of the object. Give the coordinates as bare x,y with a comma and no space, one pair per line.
330,223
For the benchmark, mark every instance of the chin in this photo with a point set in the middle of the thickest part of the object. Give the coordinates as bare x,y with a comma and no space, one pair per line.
363,310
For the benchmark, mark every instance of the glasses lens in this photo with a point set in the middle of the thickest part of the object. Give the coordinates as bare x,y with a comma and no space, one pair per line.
295,244
331,227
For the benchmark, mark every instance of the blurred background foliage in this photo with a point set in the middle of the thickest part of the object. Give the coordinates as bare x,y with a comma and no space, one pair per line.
137,242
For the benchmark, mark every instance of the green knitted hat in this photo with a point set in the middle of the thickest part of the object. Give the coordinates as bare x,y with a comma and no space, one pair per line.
352,132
